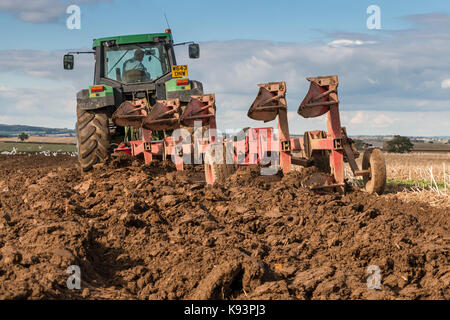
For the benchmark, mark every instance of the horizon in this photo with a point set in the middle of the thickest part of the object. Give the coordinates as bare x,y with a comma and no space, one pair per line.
292,134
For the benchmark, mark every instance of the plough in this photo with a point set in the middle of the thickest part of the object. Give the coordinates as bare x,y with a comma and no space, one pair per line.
165,115
327,150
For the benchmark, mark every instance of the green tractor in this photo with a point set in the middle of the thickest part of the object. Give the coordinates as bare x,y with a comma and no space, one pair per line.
137,86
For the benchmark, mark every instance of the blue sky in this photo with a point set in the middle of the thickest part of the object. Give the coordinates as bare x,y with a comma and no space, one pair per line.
392,81
211,20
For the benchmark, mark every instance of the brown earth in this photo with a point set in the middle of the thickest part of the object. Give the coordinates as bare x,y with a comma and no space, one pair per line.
148,232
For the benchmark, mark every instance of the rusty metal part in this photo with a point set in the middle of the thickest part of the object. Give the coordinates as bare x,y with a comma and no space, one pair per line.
268,102
362,172
310,140
322,94
200,108
164,115
128,114
322,98
350,153
302,162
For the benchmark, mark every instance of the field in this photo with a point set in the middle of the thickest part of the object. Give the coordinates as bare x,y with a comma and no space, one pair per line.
45,139
417,176
431,147
35,147
421,169
150,232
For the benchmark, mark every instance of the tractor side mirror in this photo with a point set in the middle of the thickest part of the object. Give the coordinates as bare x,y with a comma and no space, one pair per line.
68,62
194,51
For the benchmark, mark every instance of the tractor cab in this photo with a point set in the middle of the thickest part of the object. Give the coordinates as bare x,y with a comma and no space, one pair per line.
136,63
133,59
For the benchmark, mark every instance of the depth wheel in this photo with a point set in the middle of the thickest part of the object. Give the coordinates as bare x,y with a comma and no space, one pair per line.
93,138
373,160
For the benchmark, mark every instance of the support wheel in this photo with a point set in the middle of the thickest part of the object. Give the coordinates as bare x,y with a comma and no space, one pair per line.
373,160
93,138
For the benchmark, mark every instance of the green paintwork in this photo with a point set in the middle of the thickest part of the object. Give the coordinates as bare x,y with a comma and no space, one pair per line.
171,85
137,38
107,92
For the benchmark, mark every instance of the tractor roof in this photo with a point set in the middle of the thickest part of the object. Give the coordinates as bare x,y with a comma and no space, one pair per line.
136,38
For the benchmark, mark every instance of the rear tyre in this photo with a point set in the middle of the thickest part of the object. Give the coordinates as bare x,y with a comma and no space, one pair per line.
93,138
373,160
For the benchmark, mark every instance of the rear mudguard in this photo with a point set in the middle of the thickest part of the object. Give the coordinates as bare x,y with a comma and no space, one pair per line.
85,102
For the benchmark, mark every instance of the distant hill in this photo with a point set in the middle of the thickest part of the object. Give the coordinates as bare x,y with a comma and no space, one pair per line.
7,130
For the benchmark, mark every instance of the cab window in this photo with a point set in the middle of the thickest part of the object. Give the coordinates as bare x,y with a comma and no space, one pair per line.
136,63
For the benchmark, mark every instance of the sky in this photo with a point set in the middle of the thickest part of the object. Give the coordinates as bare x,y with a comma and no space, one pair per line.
392,80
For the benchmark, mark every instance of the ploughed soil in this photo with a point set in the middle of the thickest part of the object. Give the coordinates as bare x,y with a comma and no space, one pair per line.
149,232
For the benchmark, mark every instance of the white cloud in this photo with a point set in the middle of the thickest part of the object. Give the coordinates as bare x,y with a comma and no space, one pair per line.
359,118
404,123
34,11
39,65
39,11
348,43
371,119
445,84
371,81
382,121
36,90
30,106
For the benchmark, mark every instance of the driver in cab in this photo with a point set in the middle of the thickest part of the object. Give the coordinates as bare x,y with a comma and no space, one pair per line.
135,63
